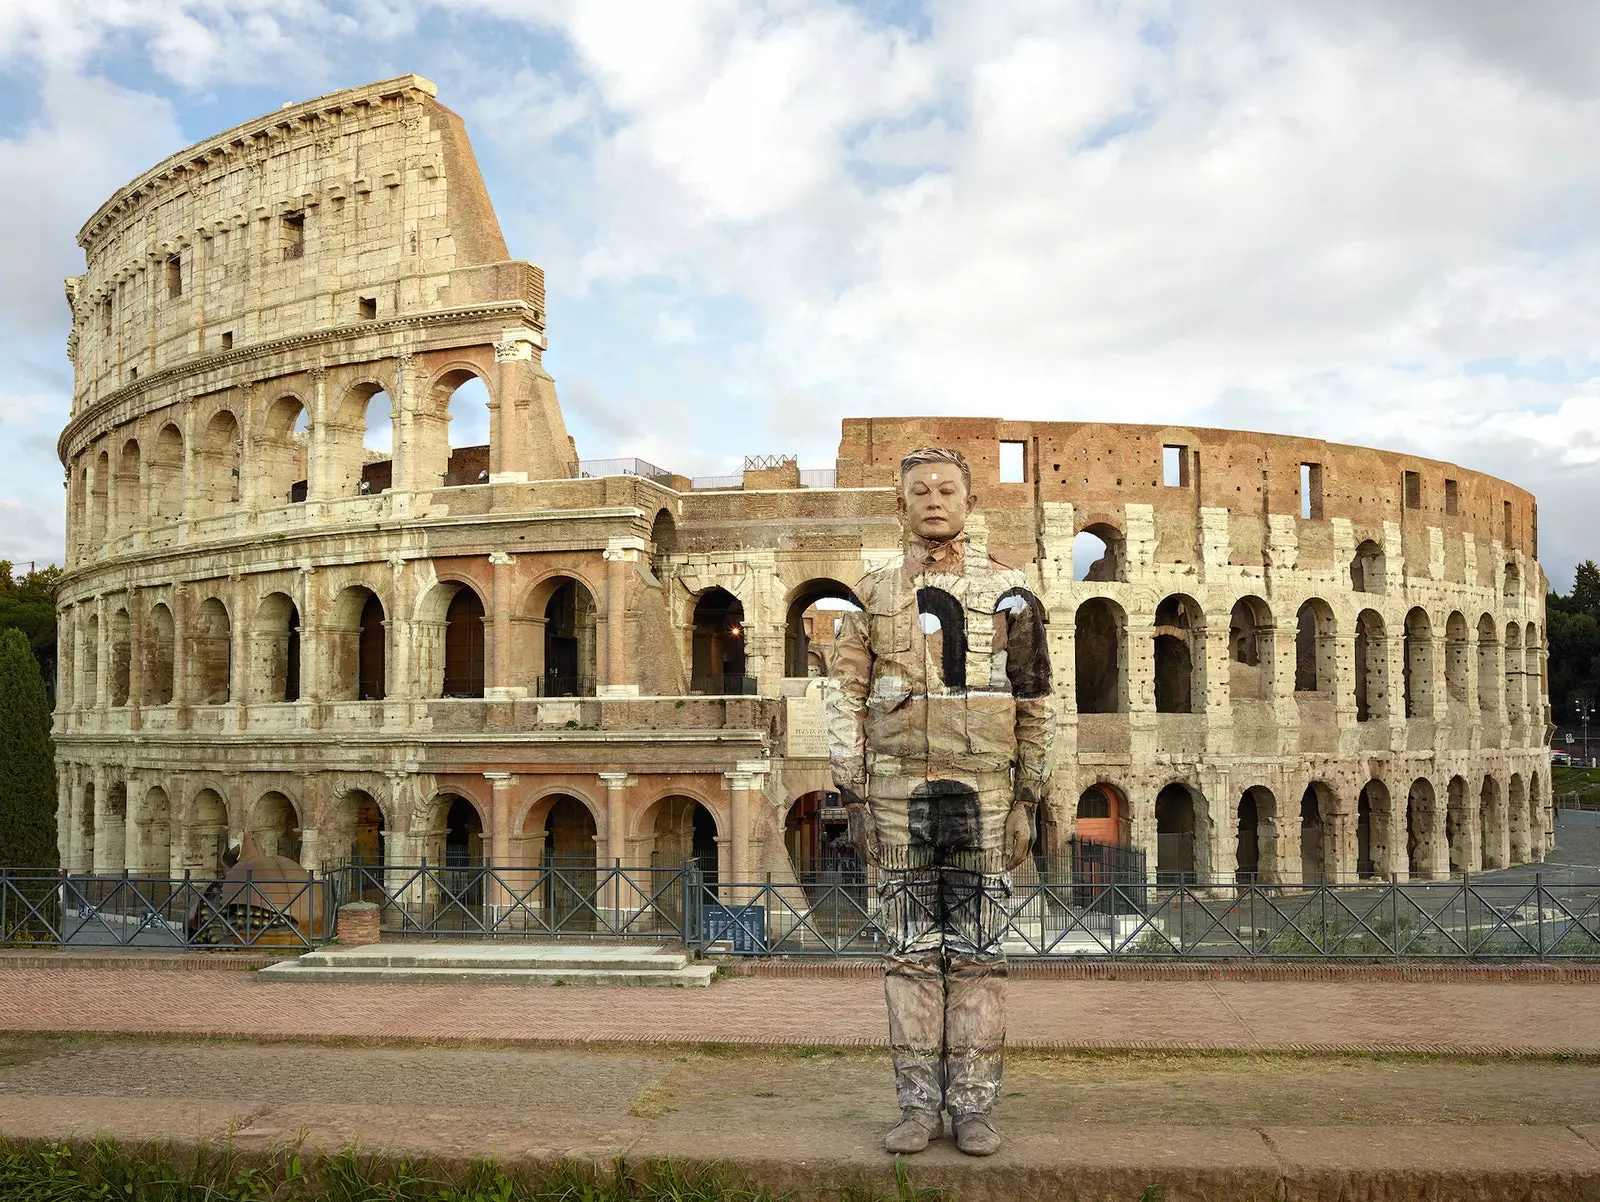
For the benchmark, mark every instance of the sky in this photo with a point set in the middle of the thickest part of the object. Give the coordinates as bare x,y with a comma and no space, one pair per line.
1367,222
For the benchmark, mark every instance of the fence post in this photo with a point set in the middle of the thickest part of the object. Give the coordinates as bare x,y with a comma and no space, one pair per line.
693,928
1394,911
1538,902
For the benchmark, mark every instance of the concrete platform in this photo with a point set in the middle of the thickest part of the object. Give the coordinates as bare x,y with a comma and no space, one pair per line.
493,964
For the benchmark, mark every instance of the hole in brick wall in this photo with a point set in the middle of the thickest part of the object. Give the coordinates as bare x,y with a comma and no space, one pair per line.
175,277
1013,463
1311,491
1175,467
227,340
368,307
1412,487
292,236
1452,497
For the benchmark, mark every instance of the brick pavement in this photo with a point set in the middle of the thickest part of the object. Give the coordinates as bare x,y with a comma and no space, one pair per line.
1528,1018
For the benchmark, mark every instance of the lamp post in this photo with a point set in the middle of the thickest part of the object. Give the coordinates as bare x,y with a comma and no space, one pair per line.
1584,706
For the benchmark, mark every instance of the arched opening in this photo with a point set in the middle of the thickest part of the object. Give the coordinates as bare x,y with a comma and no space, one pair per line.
275,650
463,833
663,542
111,840
816,836
1537,818
90,692
1179,656
1456,653
85,830
569,860
1513,584
130,483
1532,676
1367,568
569,641
283,455
1488,666
159,642
120,657
206,836
1422,829
685,832
812,623
1517,819
1316,810
465,402
367,837
166,476
1099,553
1513,671
1101,657
360,646
221,481
1103,816
1458,826
1371,668
1255,846
1492,834
1250,632
450,641
1315,648
718,646
99,499
1418,648
274,826
211,654
153,834
1176,862
1374,827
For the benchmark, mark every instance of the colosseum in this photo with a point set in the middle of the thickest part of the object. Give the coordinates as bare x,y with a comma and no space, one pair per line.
1284,660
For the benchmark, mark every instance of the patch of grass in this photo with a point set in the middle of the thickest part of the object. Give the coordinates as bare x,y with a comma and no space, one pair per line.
38,1171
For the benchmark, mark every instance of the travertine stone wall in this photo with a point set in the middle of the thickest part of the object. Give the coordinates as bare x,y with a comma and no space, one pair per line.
268,629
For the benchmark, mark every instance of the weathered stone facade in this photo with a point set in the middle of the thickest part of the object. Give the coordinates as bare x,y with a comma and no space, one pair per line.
1322,659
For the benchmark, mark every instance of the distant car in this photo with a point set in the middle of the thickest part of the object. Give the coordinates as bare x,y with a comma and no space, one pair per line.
1560,759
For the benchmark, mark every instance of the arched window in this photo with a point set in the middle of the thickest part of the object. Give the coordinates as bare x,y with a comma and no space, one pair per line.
1374,830
1532,673
120,657
1418,649
1513,583
1488,666
221,480
1179,656
1513,670
1101,657
156,675
166,476
463,645
465,400
360,646
275,650
274,826
813,621
1250,631
567,652
1367,569
1457,652
1315,648
283,456
1099,552
210,654
1371,668
90,653
99,500
130,484
718,663
663,542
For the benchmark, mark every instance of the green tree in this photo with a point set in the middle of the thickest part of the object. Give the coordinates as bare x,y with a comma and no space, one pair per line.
29,605
27,759
1585,595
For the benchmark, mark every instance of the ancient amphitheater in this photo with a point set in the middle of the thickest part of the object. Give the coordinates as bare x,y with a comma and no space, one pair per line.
1293,660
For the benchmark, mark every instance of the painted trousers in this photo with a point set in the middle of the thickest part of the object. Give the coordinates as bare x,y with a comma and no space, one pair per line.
944,892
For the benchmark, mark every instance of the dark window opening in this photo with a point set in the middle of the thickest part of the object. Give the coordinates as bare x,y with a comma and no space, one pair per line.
293,236
369,308
1452,497
174,277
1311,491
1507,514
105,317
463,645
370,652
1413,489
227,340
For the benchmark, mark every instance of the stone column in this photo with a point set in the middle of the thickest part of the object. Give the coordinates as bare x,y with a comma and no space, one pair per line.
500,858
617,678
739,785
311,849
318,468
136,617
500,654
622,900
66,811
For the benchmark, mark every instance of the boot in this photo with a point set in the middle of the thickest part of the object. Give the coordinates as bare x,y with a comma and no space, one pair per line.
975,1134
913,1131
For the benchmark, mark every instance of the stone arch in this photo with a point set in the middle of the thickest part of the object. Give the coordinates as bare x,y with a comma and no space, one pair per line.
1457,653
152,840
1532,677
1512,591
1101,657
1318,862
1517,819
1460,827
274,825
128,504
1103,815
1256,837
718,642
275,650
1179,635
450,635
210,654
1179,841
1488,665
529,815
159,650
166,475
99,498
120,654
813,611
663,541
220,465
1374,830
90,650
355,830
1371,668
680,828
1099,551
359,651
563,625
1316,649
282,453
450,829
1417,685
464,403
1424,831
814,842
1495,840
1368,570
1250,640
1537,818
1513,672
359,440
205,833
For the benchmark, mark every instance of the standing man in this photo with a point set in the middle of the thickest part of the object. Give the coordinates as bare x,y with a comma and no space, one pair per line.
939,727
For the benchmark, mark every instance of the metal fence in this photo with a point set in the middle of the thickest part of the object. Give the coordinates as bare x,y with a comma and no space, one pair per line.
40,908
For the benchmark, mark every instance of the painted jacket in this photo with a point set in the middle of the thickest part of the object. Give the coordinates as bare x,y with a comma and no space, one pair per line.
945,672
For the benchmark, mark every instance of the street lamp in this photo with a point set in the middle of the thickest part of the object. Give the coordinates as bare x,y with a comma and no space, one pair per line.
1584,707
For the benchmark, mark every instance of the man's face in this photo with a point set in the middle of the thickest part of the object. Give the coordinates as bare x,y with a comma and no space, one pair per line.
936,501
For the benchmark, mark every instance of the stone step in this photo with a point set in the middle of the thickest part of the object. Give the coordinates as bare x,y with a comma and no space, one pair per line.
514,956
294,970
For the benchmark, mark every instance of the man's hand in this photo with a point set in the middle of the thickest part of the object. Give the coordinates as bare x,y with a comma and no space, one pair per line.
863,831
1019,827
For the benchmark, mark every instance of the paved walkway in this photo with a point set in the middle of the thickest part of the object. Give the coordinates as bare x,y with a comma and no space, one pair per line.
1331,1016
1077,1126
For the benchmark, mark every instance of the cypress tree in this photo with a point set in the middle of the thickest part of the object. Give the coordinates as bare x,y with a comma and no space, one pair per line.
27,759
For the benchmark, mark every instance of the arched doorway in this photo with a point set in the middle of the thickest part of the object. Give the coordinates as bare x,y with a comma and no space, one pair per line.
1373,830
274,826
1517,819
1458,825
718,646
1256,849
1421,830
1316,864
569,640
207,835
359,646
1371,668
463,645
1492,837
1179,656
569,863
153,834
816,836
1102,815
1101,657
1175,837
812,623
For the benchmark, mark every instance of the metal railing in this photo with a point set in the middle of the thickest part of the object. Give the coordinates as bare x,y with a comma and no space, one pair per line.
622,467
564,684
724,685
40,908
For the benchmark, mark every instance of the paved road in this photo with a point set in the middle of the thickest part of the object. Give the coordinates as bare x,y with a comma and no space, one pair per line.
1488,1017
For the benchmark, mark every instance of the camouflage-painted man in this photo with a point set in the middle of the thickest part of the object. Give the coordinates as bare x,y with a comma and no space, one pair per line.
940,726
